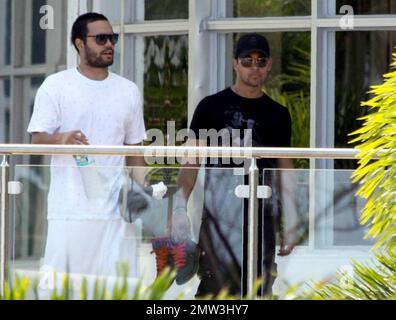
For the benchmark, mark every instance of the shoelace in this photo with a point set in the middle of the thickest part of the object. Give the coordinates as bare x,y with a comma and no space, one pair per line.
179,254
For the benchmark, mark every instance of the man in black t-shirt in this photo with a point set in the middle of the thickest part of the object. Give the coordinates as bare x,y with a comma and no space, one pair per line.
242,115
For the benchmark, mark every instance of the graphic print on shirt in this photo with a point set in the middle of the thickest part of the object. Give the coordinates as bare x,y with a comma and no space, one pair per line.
242,128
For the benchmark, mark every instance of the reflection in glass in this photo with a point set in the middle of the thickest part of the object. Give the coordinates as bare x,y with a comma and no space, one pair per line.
222,236
38,34
165,81
362,57
319,213
347,209
165,9
216,217
35,83
8,33
111,9
4,110
35,239
369,6
5,32
289,81
269,8
116,66
337,208
30,221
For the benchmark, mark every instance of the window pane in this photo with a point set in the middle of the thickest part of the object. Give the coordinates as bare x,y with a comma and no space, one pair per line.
362,57
116,66
166,9
165,81
35,83
111,9
38,34
289,81
369,6
5,32
268,8
4,110
347,208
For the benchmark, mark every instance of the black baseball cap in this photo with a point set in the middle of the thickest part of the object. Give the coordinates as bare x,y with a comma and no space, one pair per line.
251,42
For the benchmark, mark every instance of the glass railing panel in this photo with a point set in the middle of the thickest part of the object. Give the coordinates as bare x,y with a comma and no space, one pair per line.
88,221
318,212
197,226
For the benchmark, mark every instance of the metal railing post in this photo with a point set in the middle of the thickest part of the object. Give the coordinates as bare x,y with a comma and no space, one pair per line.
3,227
252,255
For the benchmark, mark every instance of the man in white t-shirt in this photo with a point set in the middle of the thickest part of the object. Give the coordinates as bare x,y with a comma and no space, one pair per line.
88,105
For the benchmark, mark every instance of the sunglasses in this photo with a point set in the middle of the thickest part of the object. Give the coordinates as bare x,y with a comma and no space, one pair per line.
101,39
248,62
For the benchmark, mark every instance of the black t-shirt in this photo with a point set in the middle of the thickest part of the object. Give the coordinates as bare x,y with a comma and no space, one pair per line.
223,236
268,121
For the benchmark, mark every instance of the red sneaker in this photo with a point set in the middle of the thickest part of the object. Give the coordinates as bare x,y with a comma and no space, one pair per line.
163,257
185,257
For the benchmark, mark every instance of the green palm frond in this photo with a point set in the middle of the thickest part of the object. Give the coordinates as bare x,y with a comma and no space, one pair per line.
367,282
376,172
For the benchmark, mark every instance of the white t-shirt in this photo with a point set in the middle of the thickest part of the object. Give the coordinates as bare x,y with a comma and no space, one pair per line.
108,112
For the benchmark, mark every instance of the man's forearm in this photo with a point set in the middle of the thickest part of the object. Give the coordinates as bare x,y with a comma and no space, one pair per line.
288,190
188,173
137,169
46,138
186,181
70,137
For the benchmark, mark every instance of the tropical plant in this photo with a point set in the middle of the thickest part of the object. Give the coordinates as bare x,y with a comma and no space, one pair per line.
376,142
262,8
26,288
377,171
377,282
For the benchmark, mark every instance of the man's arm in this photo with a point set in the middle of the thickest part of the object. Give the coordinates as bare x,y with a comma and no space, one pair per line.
188,174
136,165
289,210
70,137
181,225
138,169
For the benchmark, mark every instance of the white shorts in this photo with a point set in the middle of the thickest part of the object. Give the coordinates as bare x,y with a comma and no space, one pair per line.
90,247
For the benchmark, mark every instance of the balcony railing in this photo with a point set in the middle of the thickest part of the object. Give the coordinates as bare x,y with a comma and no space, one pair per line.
252,192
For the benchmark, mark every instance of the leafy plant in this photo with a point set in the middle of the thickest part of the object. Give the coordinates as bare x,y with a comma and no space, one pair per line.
376,282
376,171
17,291
261,8
24,288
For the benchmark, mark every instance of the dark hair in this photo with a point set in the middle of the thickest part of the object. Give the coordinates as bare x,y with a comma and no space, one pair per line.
80,29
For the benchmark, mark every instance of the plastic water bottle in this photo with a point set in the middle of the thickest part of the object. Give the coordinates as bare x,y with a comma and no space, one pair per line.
93,185
83,161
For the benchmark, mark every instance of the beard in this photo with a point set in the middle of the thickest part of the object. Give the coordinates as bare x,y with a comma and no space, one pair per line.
96,60
253,81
